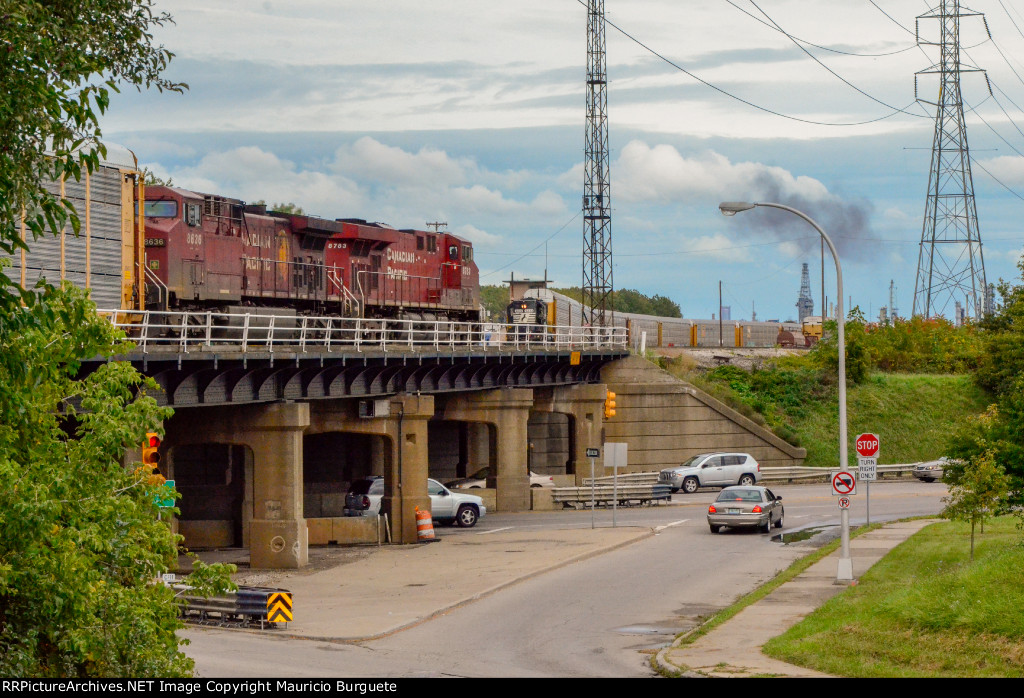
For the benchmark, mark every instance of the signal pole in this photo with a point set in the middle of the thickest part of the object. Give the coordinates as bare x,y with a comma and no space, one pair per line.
950,265
597,220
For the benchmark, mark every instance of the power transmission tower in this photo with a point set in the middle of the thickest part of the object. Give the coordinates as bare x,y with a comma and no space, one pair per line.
597,219
805,304
950,266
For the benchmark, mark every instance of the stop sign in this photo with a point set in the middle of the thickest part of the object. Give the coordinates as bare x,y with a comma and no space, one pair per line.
867,445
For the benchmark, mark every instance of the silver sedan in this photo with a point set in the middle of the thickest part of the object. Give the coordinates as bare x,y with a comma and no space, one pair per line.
742,506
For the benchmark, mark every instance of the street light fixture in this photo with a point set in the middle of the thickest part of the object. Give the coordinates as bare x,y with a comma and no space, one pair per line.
731,208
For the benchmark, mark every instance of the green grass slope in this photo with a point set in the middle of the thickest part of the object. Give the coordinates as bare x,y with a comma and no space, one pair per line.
912,414
924,610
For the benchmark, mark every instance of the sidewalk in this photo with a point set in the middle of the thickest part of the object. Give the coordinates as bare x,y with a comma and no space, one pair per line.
733,649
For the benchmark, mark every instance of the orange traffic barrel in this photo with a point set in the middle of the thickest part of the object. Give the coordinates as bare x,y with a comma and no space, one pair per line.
424,525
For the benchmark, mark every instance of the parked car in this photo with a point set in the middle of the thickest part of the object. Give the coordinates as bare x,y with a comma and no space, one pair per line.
712,470
744,507
932,470
478,480
365,495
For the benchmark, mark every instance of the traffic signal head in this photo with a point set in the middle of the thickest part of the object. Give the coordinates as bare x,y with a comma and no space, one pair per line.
609,405
151,459
151,450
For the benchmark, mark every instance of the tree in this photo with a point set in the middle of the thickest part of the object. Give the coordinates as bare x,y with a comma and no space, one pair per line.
979,491
80,536
59,62
281,208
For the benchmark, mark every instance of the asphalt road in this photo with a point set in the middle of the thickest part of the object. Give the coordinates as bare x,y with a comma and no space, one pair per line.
600,617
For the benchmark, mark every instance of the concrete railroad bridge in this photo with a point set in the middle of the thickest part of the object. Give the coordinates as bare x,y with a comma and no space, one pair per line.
275,417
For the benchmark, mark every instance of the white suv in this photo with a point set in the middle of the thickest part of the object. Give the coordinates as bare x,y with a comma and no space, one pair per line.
712,470
365,494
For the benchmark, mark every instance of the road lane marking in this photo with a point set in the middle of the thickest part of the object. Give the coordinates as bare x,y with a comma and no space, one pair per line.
494,530
659,529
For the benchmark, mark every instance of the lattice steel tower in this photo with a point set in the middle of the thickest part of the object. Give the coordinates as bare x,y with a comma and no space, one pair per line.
597,210
950,266
805,303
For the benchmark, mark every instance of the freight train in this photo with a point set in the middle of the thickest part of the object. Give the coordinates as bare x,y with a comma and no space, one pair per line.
539,308
210,252
167,248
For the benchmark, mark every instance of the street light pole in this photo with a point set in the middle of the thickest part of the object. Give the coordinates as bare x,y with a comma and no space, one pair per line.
731,208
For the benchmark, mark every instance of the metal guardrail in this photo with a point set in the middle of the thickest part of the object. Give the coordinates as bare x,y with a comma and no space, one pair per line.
248,606
182,332
604,495
788,473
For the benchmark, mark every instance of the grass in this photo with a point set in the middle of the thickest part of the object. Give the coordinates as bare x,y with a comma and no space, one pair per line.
924,610
912,413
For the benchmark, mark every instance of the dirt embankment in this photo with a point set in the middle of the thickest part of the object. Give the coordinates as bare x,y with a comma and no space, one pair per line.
708,358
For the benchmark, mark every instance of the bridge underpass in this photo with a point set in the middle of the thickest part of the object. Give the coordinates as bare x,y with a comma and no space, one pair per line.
267,435
295,427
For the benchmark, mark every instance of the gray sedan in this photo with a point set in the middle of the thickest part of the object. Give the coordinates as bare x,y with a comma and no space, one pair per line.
932,470
741,506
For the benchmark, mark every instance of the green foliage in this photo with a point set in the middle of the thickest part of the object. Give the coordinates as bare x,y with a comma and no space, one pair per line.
632,301
981,487
292,208
923,610
495,300
150,179
1000,431
80,539
59,62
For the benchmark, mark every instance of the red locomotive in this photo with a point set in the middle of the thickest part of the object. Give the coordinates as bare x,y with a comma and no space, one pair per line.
212,252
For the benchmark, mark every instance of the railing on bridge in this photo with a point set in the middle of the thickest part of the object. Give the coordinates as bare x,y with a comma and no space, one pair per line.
182,332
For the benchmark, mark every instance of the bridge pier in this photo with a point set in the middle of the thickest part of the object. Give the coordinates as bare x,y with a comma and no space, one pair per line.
274,528
507,410
400,455
584,404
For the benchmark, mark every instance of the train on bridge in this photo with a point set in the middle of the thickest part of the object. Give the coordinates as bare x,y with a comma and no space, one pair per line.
165,248
541,308
171,249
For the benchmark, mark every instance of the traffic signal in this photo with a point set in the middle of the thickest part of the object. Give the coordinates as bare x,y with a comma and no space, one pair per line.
151,458
609,405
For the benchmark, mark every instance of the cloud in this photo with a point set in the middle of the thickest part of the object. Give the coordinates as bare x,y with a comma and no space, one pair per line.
370,159
661,174
377,181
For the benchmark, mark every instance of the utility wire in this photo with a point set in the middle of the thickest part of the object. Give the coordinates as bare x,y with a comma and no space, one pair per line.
543,242
818,46
832,72
740,99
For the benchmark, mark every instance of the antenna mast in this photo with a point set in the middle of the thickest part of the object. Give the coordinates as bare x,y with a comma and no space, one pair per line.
597,219
950,265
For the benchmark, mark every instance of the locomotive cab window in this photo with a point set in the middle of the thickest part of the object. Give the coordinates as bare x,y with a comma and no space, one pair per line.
193,214
453,252
160,209
431,243
467,253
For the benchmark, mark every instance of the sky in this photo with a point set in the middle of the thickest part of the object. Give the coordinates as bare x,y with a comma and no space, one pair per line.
473,113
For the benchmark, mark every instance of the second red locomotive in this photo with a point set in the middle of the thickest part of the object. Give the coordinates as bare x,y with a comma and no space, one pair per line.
212,252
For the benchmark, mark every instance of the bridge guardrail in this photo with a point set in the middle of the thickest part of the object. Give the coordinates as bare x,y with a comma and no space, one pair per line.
183,332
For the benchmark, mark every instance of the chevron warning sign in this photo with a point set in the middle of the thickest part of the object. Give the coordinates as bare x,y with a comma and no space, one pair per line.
279,607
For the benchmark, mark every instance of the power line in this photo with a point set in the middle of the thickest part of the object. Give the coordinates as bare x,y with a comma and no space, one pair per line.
818,46
544,242
832,72
740,99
